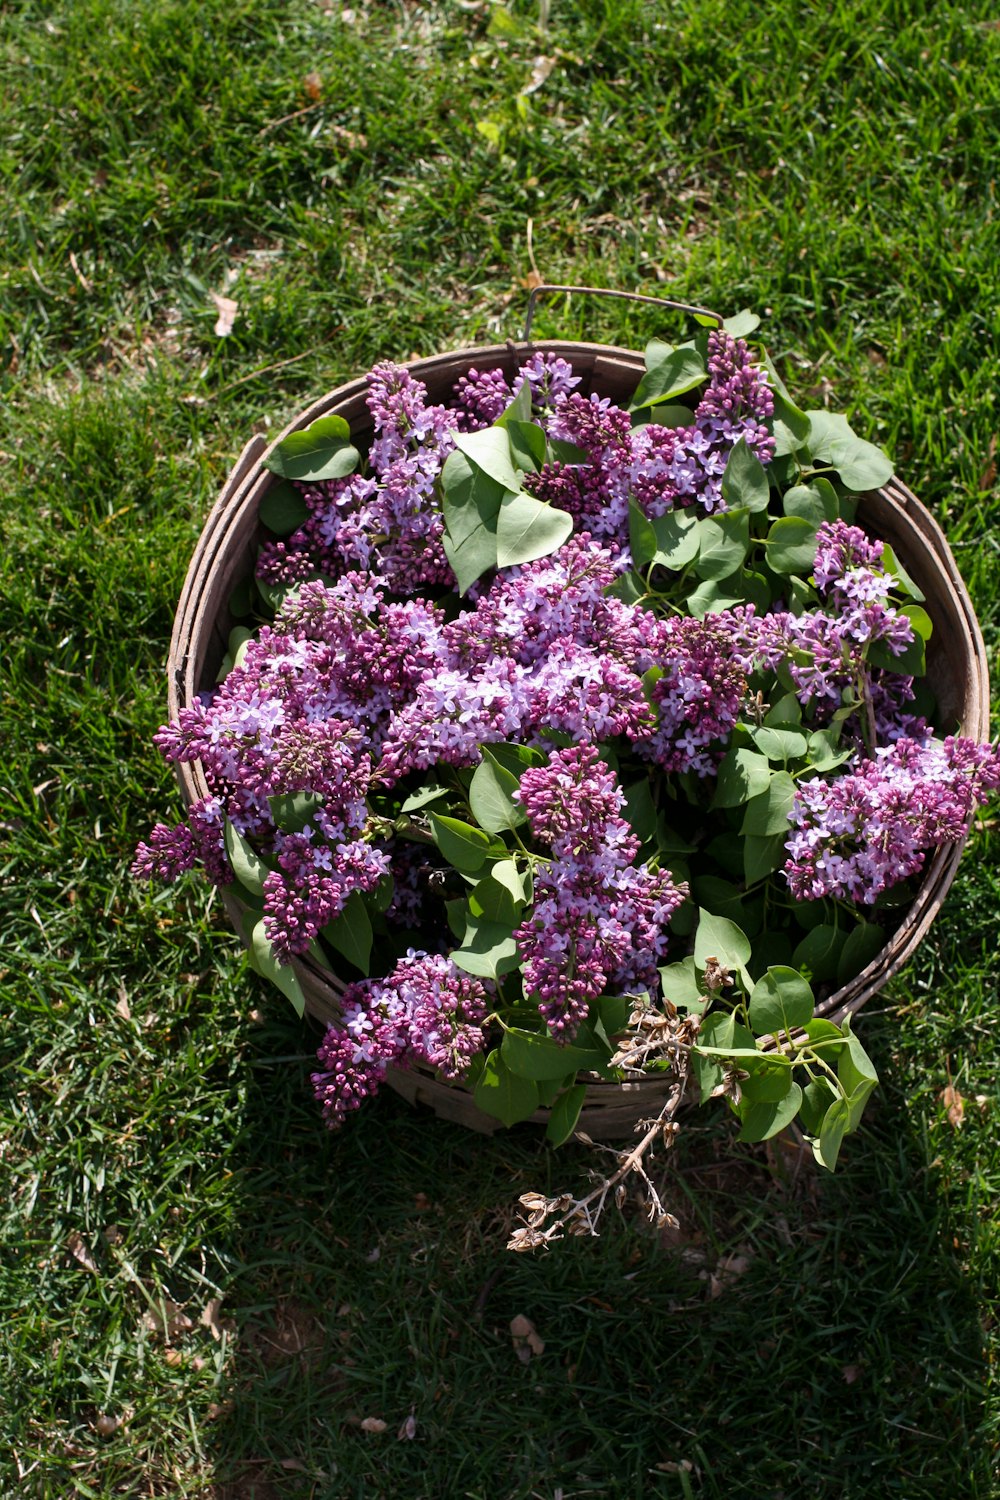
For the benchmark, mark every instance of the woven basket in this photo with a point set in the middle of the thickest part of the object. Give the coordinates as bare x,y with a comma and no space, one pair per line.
226,553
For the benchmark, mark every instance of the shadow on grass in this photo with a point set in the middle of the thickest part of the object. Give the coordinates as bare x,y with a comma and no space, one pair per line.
812,1338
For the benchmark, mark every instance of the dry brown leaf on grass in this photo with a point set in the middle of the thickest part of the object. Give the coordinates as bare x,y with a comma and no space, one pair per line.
373,1424
313,85
954,1104
729,1269
227,310
850,1373
168,1319
525,1338
408,1429
540,70
80,1250
210,1319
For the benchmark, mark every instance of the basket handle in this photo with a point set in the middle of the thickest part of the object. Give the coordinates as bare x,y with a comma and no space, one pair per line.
600,291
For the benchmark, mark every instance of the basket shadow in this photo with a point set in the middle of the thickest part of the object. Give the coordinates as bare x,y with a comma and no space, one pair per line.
801,1334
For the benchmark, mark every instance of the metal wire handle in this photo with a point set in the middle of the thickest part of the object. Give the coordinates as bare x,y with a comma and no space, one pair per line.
600,291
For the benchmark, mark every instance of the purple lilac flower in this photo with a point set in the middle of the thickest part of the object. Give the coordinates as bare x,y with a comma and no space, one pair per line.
427,1010
199,841
699,696
451,715
584,692
549,377
481,397
572,802
311,886
530,607
597,926
598,923
856,836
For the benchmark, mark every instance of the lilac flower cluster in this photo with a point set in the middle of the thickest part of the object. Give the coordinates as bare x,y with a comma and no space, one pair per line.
387,522
599,923
426,1011
826,649
701,690
659,467
865,831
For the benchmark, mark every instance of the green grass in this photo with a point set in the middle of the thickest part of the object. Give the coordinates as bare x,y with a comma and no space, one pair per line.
831,166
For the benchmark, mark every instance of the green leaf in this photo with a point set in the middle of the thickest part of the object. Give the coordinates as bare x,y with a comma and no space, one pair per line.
726,900
462,845
248,866
832,1131
614,1012
424,795
292,811
779,744
283,509
762,1118
744,481
815,502
457,911
515,757
785,713
680,985
322,451
719,938
863,945
528,529
489,450
240,602
824,750
502,1094
890,562
283,975
537,1055
350,932
491,796
767,813
664,414
780,1001
519,409
723,544
565,1114
492,901
911,661
819,952
506,873
640,809
791,545
743,774
742,324
567,453
762,854
628,587
817,1097
677,538
670,372
861,465
766,1082
711,597
641,536
527,443
470,505
488,949
827,428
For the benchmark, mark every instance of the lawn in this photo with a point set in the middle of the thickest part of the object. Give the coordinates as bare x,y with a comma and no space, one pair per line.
204,1294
